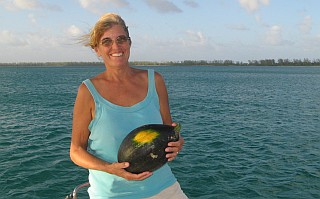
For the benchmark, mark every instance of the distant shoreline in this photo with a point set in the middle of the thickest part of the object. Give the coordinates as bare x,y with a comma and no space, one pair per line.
265,62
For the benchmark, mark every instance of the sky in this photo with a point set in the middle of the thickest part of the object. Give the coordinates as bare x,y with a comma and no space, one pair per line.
163,30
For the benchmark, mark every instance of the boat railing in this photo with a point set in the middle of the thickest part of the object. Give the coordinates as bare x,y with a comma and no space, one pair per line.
74,193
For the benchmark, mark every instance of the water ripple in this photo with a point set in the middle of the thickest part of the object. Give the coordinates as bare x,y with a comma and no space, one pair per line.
249,132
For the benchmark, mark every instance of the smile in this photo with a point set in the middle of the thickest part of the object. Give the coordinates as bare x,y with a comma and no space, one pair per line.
116,54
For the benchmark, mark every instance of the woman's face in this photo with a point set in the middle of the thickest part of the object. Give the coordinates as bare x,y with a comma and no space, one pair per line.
114,47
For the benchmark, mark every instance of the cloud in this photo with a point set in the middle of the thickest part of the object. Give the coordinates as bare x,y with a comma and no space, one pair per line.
240,27
253,5
40,39
100,6
163,6
195,39
32,18
274,37
8,38
43,40
85,3
42,46
103,3
16,5
311,44
191,3
260,21
306,25
74,31
189,45
23,5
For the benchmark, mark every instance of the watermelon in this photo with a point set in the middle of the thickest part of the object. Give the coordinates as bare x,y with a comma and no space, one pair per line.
144,147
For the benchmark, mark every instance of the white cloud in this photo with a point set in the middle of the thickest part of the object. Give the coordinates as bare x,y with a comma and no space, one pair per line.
260,21
16,5
191,3
41,46
253,5
240,27
306,25
91,5
8,38
74,31
36,40
32,18
191,45
100,6
25,4
265,2
85,3
44,40
274,36
195,39
163,6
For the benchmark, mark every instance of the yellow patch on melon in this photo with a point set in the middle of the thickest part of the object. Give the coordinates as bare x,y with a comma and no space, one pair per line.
144,137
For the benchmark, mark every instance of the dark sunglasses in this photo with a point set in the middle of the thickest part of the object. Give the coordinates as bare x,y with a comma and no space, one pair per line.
120,40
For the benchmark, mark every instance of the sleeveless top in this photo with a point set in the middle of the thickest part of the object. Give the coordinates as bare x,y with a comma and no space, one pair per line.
108,128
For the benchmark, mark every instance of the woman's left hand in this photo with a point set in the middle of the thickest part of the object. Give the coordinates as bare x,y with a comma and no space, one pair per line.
174,148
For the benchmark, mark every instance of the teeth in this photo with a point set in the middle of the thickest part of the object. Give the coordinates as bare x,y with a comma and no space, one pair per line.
117,54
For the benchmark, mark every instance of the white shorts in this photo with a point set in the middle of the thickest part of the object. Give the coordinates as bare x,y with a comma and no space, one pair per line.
172,192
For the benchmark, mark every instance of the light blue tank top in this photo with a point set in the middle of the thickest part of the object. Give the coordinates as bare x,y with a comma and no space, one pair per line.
108,128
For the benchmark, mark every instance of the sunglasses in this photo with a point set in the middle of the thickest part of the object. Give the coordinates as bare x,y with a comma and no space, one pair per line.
120,40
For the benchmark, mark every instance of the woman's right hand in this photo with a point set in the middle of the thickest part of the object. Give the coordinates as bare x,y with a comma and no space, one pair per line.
119,170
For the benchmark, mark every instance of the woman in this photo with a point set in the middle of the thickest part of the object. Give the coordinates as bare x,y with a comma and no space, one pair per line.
110,105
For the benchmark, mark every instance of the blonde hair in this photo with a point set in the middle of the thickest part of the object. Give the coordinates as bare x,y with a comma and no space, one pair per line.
105,22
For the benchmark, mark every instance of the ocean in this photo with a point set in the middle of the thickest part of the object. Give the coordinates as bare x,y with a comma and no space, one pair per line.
250,132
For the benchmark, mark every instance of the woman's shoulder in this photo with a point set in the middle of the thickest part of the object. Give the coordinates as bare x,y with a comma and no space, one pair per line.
141,74
139,71
97,81
144,72
83,91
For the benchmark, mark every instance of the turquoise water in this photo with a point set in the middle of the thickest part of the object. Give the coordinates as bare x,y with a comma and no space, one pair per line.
250,132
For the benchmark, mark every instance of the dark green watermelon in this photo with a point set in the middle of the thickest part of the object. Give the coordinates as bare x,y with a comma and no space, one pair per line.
144,147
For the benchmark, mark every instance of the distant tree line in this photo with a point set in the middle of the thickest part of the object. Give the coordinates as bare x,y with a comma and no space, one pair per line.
264,62
39,64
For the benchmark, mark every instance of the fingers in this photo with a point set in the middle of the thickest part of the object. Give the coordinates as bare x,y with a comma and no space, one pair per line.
171,156
173,149
140,176
119,170
175,146
123,165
